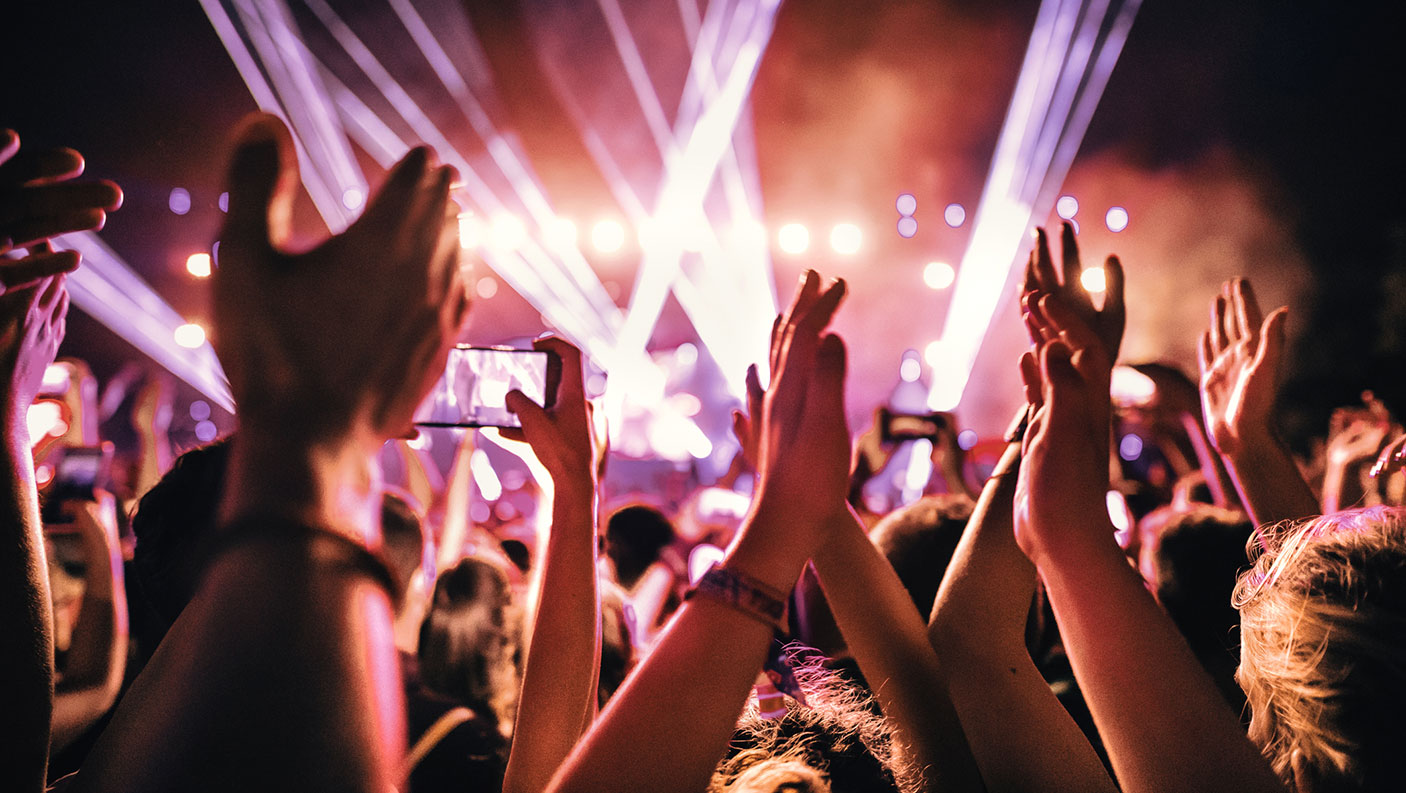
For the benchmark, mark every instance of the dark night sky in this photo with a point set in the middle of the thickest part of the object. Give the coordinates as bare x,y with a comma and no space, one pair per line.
1285,112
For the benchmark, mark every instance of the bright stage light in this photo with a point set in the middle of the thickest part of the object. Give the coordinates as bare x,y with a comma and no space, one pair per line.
190,336
1117,219
907,227
846,238
470,231
198,265
955,215
933,354
939,275
1067,206
508,232
1094,280
906,204
793,238
607,236
179,202
560,234
45,418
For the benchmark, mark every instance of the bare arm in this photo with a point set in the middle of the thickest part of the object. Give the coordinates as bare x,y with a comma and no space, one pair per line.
558,699
1018,730
886,635
97,655
673,717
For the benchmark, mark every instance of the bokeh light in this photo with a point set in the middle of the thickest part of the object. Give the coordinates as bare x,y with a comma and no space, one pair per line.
793,238
1094,279
1117,219
1130,448
1067,206
179,202
955,215
190,335
198,265
486,287
907,227
607,236
353,198
938,275
846,238
966,439
206,431
200,410
906,204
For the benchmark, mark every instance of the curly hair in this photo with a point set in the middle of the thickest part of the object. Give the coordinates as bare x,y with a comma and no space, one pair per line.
836,743
1323,656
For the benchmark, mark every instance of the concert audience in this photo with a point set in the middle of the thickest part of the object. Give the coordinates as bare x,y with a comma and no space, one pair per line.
291,631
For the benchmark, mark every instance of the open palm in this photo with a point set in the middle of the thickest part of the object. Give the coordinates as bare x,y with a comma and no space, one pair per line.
1239,357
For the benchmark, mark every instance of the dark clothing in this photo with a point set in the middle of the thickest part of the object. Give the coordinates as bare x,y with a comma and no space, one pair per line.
473,756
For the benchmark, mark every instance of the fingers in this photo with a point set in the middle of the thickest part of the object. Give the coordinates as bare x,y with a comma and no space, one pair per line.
827,389
1059,317
9,144
1115,310
262,180
1069,264
29,230
1219,341
1044,263
1062,384
28,271
42,166
536,423
430,226
1271,343
1205,353
1247,308
1030,379
571,387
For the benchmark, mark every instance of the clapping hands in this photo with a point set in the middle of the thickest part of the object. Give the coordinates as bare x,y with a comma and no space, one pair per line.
1239,358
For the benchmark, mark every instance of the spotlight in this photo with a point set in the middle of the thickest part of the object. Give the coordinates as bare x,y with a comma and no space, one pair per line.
1094,280
1117,219
560,234
955,215
190,335
845,238
939,275
198,265
470,231
508,232
1067,206
607,236
793,238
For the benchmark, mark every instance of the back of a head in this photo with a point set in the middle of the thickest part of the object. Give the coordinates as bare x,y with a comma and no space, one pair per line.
837,742
1323,658
173,523
919,540
403,537
634,536
469,639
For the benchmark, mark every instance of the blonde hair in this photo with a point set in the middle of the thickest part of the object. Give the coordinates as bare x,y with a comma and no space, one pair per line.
1323,648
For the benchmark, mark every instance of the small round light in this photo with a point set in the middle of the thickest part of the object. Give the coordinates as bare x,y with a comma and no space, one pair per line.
1094,279
353,198
1067,206
206,431
190,335
1116,219
200,410
966,439
607,236
793,238
907,227
486,287
906,204
179,202
845,238
686,354
910,370
938,275
223,202
955,215
1130,448
198,265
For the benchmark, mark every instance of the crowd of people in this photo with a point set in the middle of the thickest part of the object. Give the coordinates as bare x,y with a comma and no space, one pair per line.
268,612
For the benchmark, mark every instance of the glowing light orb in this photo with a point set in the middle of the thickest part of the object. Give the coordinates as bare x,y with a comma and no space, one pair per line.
198,265
190,335
200,410
1116,219
906,204
179,202
486,287
966,439
1130,448
1094,279
1067,206
560,234
907,227
353,198
793,238
846,238
955,215
206,431
508,232
939,275
607,236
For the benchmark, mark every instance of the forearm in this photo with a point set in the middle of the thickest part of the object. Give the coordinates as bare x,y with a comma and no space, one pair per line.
1017,729
559,683
676,713
97,655
1217,479
888,639
1162,720
27,652
1270,485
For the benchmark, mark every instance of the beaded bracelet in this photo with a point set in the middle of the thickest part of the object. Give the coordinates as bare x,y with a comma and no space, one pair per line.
745,594
323,543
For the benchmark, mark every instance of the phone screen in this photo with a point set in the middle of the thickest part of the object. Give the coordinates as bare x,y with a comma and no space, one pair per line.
78,475
474,389
900,427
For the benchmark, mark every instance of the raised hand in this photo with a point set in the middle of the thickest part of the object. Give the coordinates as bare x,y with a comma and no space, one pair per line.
38,200
1239,358
560,434
348,337
1064,284
32,324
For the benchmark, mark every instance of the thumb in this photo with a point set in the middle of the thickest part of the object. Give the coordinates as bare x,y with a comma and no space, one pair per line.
262,178
1061,379
536,424
829,378
1271,339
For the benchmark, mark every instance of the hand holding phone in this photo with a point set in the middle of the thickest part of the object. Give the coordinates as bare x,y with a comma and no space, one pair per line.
899,427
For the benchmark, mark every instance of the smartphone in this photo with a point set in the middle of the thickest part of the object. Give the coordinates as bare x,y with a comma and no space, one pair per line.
897,427
79,473
474,389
